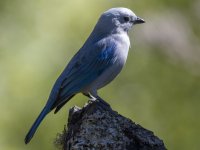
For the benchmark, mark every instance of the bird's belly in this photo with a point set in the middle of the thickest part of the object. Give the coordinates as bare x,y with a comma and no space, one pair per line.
110,73
115,69
108,76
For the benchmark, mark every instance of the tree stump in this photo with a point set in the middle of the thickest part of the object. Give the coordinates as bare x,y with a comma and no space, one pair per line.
97,127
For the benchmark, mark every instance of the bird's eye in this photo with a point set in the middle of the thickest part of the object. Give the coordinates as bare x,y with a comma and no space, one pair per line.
126,19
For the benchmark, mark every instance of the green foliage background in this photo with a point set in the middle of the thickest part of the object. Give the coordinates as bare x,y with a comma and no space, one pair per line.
159,88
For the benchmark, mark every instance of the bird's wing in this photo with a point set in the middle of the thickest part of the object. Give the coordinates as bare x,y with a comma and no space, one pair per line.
83,69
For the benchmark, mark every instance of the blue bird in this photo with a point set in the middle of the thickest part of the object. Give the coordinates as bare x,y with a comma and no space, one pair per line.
96,64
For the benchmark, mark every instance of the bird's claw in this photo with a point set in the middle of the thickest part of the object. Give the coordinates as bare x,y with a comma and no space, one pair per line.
100,101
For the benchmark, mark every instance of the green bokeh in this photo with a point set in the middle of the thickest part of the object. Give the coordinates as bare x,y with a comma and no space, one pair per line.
157,89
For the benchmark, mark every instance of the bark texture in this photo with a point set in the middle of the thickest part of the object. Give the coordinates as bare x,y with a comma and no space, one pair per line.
97,127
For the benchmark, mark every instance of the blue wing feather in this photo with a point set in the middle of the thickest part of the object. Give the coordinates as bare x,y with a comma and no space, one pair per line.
89,71
79,73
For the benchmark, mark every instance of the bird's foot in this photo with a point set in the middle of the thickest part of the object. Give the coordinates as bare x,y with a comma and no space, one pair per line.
98,99
100,102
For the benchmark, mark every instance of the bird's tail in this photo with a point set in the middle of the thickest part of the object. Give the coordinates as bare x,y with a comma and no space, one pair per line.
35,125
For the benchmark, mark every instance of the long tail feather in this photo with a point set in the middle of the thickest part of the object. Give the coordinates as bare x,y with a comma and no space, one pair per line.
35,125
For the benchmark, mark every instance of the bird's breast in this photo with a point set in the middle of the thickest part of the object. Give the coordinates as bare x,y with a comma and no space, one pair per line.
122,44
122,48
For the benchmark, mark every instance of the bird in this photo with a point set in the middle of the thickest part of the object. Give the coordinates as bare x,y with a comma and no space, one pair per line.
96,64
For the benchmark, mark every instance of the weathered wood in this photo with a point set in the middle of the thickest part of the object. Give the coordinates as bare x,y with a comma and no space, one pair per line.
96,126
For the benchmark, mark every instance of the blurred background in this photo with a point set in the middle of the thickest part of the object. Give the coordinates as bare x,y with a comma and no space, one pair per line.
159,87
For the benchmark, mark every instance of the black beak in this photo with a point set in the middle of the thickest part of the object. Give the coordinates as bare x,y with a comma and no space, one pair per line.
138,21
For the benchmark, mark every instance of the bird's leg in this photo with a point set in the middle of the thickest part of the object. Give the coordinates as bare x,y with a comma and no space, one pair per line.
92,98
99,99
96,98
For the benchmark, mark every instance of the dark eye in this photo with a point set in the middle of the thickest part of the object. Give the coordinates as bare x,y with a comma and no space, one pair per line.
126,19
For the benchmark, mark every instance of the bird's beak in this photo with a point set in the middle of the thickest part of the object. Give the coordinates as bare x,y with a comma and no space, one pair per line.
138,21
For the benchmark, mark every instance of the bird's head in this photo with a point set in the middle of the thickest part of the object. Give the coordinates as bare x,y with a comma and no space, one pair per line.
118,20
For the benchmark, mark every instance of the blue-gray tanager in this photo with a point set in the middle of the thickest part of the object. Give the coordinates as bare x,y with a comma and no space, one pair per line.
96,64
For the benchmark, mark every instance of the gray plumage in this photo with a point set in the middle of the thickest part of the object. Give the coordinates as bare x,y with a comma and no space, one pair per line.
96,64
